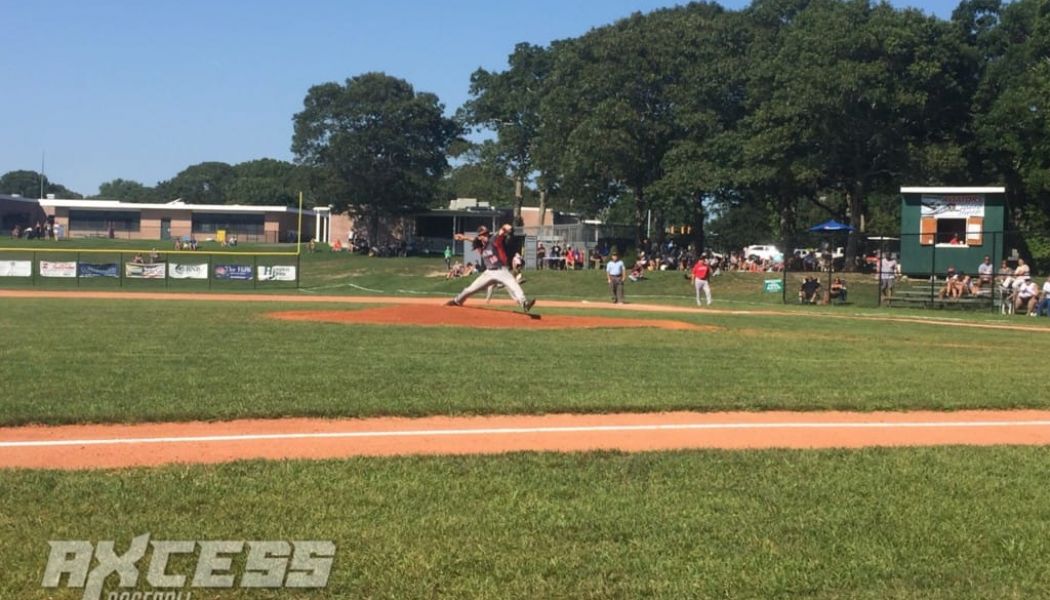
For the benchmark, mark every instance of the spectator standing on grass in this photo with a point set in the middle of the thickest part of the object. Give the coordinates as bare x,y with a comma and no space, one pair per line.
614,274
887,275
701,280
541,255
448,256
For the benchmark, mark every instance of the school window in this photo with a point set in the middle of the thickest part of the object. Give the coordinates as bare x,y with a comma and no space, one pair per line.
235,223
103,220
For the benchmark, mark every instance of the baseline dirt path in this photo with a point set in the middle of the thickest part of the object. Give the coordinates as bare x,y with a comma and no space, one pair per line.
108,446
543,303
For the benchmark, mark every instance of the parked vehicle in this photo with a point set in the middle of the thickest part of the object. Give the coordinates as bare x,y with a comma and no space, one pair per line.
764,253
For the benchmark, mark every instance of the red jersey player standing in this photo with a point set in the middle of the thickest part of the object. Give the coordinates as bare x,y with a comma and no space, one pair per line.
701,275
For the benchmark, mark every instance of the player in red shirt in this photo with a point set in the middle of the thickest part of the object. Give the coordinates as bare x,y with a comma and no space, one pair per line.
701,275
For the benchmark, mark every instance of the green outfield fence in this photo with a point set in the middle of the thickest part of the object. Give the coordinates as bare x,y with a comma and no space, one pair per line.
105,268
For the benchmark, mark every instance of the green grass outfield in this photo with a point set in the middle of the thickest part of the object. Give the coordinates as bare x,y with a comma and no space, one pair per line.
66,361
944,523
903,523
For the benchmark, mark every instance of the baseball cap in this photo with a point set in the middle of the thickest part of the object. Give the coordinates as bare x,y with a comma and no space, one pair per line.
482,230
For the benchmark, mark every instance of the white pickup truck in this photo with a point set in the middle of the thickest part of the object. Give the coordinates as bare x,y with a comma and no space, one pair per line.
764,253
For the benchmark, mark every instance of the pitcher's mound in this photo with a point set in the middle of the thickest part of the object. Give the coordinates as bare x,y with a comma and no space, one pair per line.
462,316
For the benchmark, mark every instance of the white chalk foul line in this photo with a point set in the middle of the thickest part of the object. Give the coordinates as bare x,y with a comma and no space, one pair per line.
524,430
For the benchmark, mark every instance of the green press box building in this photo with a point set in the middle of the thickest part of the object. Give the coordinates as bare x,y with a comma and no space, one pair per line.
946,226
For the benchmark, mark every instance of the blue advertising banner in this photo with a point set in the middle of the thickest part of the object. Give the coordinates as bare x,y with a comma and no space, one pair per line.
97,270
238,272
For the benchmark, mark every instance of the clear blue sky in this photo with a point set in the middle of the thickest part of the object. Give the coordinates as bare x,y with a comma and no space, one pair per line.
143,89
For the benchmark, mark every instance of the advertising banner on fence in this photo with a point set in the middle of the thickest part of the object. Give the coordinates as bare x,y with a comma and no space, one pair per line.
141,271
277,273
58,269
238,272
98,270
16,268
183,271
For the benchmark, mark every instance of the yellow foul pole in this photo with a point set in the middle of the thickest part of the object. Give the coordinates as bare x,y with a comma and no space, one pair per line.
299,231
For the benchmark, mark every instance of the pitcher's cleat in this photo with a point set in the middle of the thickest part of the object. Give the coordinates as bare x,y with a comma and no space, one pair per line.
528,305
453,302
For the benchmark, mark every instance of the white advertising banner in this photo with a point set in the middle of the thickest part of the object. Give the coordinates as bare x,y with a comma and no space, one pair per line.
141,271
953,206
277,273
184,271
58,269
16,268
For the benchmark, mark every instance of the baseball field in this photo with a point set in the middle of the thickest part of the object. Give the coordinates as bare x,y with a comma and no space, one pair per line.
369,338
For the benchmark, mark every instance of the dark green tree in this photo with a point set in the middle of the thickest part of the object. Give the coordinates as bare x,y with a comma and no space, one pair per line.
508,103
28,183
126,190
204,183
607,117
481,173
382,146
855,98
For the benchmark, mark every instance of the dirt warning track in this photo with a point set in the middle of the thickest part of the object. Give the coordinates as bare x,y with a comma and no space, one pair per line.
111,446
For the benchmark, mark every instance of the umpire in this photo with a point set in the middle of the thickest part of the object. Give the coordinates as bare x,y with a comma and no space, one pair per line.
614,273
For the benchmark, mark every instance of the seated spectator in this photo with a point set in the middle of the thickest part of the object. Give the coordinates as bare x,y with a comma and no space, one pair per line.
154,256
809,291
951,280
1027,296
1022,270
638,270
137,259
1043,308
596,258
337,246
985,275
837,291
459,270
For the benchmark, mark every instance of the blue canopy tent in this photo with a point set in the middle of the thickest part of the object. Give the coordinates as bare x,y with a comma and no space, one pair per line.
830,226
